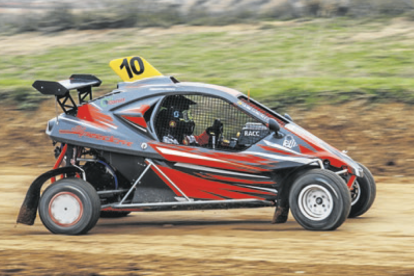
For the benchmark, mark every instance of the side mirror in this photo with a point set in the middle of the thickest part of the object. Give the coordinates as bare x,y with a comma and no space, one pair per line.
275,127
287,116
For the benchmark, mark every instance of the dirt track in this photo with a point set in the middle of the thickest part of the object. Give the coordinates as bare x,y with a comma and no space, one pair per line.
221,242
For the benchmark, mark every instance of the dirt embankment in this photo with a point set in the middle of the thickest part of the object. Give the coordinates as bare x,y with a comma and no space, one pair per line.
378,135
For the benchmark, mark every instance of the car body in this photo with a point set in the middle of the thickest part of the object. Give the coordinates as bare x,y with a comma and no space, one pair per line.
129,146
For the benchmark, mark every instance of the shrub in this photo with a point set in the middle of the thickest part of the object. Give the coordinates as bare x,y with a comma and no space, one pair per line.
380,7
409,15
28,23
161,18
148,13
59,18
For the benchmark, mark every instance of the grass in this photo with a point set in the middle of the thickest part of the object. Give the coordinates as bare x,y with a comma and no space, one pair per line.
294,62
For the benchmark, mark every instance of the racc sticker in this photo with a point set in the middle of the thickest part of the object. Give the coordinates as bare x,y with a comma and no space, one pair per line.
251,133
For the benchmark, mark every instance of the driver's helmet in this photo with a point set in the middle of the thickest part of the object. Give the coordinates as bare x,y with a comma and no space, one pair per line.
177,119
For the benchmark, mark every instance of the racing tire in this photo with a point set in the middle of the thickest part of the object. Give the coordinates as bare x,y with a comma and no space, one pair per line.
114,214
69,206
320,200
364,193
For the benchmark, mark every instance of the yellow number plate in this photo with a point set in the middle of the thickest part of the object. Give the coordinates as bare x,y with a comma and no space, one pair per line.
133,68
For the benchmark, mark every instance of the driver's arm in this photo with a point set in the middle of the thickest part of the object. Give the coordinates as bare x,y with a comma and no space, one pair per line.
203,138
215,130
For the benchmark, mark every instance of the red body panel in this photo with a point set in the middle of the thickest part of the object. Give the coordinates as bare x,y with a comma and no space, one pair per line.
195,187
93,115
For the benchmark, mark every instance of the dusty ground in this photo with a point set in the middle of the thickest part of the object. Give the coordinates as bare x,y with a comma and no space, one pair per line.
221,242
224,242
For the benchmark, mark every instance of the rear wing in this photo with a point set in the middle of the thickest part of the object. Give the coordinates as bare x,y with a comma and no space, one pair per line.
81,82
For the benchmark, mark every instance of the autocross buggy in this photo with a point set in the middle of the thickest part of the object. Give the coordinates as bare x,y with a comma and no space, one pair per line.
157,144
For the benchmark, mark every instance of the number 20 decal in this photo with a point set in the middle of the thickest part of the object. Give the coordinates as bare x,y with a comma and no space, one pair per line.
131,67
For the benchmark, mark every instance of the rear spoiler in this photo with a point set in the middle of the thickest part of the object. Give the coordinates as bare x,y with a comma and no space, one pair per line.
60,88
83,83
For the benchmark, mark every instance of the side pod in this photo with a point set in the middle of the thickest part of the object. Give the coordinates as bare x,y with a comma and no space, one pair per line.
27,214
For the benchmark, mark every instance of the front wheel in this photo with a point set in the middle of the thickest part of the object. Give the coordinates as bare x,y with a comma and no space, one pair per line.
363,193
69,206
320,200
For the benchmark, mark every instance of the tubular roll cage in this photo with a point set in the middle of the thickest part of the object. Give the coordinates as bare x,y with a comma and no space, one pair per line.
83,83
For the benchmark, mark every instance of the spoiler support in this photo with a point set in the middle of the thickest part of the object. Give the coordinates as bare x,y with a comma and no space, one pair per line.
83,83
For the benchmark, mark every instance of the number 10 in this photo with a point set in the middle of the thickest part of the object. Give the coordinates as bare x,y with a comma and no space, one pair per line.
131,65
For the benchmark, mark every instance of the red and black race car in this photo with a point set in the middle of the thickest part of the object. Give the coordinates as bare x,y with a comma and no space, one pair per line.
157,144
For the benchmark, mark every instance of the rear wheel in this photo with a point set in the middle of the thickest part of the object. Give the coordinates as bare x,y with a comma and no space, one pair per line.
363,193
69,206
320,200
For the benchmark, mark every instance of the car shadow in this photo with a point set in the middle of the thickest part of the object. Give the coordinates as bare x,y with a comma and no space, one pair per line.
125,225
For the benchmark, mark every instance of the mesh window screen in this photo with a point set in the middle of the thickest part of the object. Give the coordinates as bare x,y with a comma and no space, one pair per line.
258,108
207,121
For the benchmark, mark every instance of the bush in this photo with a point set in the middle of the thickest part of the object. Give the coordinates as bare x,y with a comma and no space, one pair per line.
283,11
129,14
202,18
380,7
28,23
409,15
6,23
59,18
97,21
161,18
157,13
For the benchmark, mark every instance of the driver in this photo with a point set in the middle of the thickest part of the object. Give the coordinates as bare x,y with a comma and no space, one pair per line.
176,126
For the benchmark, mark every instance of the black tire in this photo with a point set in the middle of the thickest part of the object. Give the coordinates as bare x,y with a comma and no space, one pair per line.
114,214
327,198
364,194
69,206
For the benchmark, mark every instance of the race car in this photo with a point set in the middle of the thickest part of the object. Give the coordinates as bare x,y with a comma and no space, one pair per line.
158,144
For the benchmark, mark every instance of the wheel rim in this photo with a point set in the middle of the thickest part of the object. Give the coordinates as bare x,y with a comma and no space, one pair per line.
355,193
315,202
65,209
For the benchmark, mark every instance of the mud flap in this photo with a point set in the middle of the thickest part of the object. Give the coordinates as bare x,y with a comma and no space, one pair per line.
282,205
27,214
281,214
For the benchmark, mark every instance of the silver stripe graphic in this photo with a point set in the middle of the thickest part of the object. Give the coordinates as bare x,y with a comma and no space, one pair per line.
260,188
88,124
283,158
134,125
189,155
207,169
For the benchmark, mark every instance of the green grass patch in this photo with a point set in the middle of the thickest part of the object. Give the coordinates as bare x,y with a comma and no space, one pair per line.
293,63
